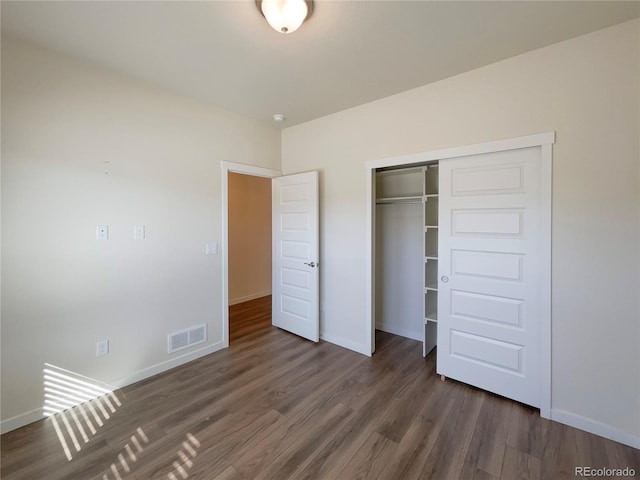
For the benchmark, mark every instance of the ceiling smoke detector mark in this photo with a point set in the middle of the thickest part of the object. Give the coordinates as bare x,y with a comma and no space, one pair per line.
279,118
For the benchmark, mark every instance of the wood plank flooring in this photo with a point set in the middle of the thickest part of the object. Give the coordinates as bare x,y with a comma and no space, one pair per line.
274,406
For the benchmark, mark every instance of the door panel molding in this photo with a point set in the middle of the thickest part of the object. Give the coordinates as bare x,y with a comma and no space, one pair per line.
487,354
295,217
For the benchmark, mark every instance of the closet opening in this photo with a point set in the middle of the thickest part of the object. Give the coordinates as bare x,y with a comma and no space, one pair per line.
459,242
406,252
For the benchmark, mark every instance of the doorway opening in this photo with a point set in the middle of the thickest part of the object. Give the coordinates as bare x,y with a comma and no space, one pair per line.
246,243
249,252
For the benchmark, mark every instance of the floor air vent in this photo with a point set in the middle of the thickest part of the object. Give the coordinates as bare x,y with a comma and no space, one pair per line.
186,338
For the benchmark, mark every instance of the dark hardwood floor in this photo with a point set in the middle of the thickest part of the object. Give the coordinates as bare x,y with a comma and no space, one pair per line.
274,406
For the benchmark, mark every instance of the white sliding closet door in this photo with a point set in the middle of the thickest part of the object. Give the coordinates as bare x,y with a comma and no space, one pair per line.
490,283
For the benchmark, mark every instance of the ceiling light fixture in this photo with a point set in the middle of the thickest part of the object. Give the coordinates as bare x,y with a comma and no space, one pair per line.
285,16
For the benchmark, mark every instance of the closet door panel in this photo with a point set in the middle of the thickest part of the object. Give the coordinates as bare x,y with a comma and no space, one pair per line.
489,303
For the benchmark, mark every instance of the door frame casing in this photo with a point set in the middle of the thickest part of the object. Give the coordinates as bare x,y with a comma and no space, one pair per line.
231,167
542,140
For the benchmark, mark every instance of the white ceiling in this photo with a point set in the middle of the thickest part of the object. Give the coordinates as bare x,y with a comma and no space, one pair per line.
346,54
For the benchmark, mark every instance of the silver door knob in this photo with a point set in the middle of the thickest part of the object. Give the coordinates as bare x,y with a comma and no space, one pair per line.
444,279
312,264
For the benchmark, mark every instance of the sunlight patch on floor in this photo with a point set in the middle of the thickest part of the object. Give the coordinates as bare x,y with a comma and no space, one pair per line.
77,406
184,463
127,457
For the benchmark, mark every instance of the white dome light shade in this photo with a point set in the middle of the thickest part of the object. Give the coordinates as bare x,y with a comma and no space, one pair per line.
285,16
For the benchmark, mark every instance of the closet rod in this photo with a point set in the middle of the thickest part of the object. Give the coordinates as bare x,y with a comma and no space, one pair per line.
391,200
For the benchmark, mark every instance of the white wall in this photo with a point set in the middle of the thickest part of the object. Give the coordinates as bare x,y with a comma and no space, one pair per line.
61,289
249,237
587,90
400,269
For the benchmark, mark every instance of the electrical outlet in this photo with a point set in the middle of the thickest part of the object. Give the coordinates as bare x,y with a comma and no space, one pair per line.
102,348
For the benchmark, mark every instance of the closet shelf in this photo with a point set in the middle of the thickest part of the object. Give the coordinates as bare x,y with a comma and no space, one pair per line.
431,317
386,200
391,171
430,217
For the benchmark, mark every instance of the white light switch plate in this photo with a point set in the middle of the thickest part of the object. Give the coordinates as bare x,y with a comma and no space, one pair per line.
138,232
211,248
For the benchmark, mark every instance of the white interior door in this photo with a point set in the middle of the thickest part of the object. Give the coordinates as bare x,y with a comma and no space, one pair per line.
295,254
490,286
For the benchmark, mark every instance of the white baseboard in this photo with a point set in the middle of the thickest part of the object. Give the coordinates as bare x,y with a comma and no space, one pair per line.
348,344
399,331
595,427
246,298
21,420
166,365
37,414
